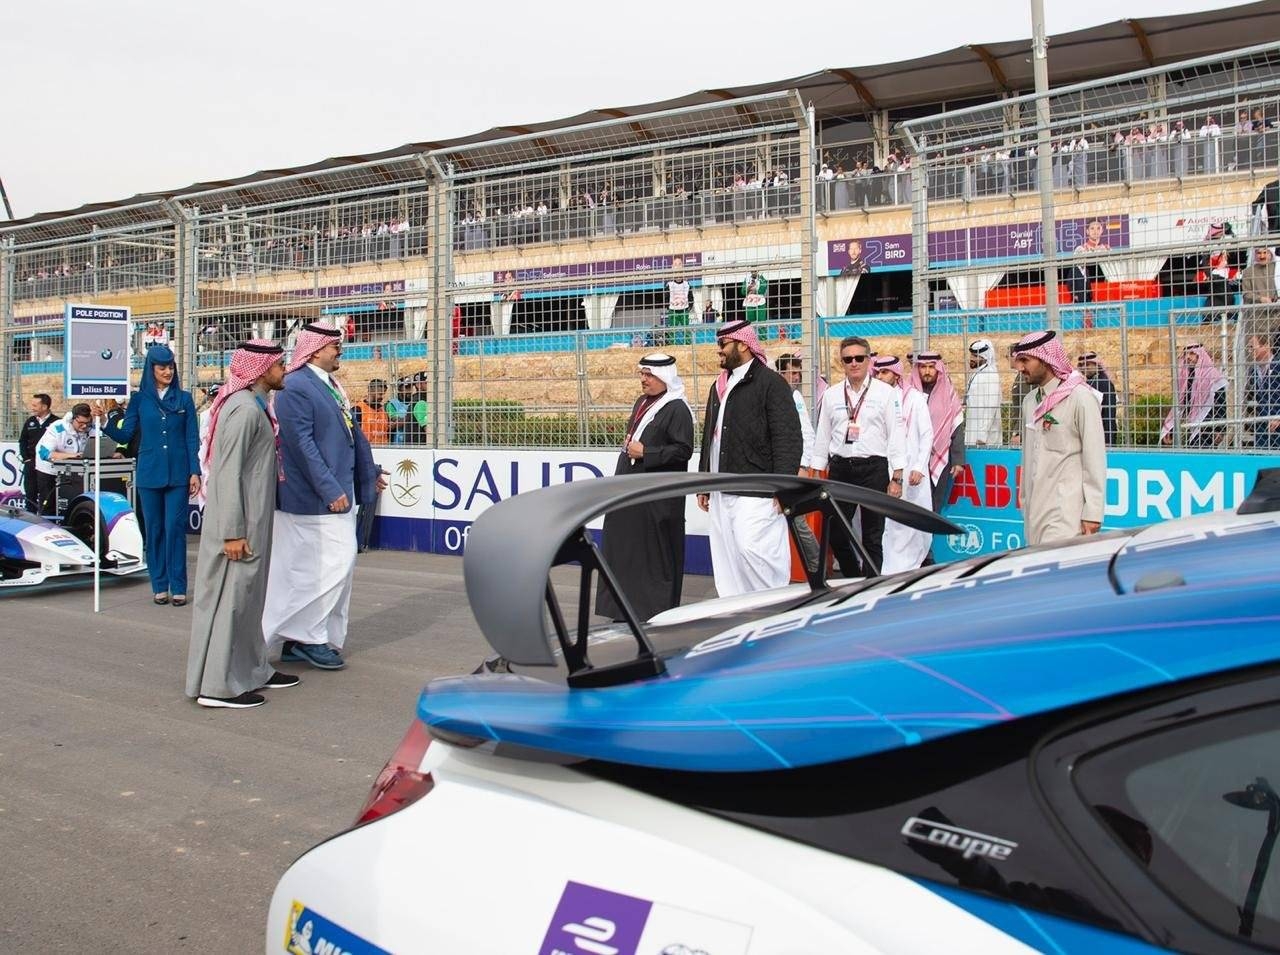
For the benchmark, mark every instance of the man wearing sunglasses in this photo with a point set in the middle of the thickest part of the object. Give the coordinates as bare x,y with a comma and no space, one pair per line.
750,427
860,440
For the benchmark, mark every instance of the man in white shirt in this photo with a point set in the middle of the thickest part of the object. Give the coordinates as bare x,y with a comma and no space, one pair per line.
982,399
860,436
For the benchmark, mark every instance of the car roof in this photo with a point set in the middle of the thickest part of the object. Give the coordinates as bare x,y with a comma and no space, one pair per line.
915,657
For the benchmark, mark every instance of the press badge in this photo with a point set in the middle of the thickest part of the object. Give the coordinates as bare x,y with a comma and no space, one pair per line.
854,430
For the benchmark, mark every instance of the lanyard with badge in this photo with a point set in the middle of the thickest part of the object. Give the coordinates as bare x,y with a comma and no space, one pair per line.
854,429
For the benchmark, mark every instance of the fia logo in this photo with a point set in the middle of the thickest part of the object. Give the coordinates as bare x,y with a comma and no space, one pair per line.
969,543
591,933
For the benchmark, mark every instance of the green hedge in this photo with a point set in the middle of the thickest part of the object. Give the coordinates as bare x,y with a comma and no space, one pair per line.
504,424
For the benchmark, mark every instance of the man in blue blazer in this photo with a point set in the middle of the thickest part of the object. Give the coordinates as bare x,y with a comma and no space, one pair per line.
328,470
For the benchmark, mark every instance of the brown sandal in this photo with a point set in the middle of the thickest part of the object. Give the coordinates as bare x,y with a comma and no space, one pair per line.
179,600
160,599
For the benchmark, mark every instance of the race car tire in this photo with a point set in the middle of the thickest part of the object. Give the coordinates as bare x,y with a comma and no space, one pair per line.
79,521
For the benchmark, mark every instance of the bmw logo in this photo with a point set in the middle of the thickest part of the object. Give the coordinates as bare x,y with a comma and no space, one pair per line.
106,354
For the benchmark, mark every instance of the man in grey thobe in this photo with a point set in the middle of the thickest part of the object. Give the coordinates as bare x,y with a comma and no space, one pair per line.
1064,451
227,662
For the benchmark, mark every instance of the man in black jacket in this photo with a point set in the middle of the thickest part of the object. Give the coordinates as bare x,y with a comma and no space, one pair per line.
750,427
32,431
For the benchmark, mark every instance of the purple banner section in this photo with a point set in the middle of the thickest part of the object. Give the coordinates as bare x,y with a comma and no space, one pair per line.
595,920
975,244
343,291
616,267
856,256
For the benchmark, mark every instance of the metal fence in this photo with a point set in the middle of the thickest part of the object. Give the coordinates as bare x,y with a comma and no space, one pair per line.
502,291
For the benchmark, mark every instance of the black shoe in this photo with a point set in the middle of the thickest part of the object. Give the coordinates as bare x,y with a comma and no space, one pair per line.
279,680
242,702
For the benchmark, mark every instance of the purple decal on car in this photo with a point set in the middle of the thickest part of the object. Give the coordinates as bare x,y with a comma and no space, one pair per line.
592,921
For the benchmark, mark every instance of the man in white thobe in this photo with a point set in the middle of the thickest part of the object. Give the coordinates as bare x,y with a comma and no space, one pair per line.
982,399
905,548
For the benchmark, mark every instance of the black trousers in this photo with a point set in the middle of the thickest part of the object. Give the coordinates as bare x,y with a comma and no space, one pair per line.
46,493
29,489
871,473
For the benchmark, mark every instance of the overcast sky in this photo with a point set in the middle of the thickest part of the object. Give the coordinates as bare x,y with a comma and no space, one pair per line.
107,99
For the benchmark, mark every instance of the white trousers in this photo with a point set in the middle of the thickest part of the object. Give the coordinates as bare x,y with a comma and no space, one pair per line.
904,548
749,544
313,561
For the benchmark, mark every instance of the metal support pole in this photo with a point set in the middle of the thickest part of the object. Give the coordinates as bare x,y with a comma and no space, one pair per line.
919,253
10,401
440,327
1044,163
809,316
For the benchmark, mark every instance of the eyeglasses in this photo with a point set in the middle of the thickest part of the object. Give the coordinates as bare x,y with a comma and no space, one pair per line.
722,342
849,359
83,421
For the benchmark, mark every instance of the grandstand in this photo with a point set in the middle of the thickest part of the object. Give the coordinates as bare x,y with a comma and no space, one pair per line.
528,264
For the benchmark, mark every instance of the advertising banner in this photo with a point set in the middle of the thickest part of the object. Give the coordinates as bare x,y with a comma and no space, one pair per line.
986,243
1142,488
432,497
98,351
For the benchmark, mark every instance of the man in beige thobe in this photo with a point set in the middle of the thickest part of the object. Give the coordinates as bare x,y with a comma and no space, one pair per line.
1064,450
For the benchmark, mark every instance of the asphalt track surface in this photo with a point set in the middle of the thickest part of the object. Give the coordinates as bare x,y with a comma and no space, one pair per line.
133,820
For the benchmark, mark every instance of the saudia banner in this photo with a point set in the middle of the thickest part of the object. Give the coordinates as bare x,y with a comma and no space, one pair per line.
1142,488
433,496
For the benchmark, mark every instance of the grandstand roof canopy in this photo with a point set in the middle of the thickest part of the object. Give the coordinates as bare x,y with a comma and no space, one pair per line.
965,73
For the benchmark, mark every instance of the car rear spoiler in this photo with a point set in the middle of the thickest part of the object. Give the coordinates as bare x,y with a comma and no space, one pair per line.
513,546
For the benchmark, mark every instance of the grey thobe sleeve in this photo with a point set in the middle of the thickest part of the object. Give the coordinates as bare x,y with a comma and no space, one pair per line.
1093,455
230,460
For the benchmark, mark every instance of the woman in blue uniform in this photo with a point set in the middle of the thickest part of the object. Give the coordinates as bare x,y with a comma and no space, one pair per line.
168,469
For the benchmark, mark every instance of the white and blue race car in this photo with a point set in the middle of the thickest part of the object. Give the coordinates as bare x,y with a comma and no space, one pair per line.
35,549
1062,749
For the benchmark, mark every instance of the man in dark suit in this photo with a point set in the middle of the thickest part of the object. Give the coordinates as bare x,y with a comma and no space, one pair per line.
328,470
32,431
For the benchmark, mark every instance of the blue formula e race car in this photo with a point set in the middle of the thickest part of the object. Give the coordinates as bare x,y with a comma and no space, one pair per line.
36,549
1069,748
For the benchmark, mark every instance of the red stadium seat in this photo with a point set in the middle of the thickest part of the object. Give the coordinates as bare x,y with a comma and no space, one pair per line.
1022,296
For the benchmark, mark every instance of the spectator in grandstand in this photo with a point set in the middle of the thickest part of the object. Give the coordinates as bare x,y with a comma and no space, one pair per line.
1264,378
33,430
755,304
168,473
841,193
905,548
1080,278
749,427
1099,379
644,544
1201,397
1258,288
370,415
1157,152
1219,273
1180,138
946,411
1064,454
983,401
860,439
1211,145
1242,141
679,307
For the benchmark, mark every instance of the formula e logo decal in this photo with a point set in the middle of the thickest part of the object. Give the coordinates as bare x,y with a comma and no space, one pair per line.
968,843
591,934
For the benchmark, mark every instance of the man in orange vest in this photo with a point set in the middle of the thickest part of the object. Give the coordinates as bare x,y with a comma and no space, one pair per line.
370,415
